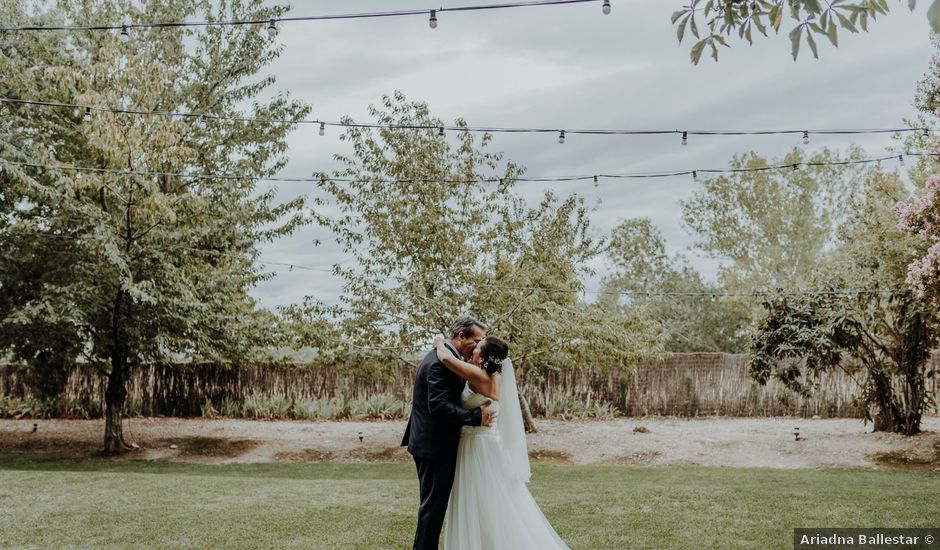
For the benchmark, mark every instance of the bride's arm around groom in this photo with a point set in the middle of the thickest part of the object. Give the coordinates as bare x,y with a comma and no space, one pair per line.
433,430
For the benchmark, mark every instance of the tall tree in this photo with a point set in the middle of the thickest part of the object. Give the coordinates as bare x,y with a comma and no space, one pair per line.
123,262
693,315
880,331
920,214
773,227
436,229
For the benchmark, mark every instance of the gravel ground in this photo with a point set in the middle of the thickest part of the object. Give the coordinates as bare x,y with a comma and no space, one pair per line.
710,441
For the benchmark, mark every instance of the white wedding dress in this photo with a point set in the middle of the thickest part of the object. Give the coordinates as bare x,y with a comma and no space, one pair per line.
490,507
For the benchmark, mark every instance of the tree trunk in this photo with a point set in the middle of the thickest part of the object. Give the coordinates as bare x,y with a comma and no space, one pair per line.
894,413
885,417
114,398
527,420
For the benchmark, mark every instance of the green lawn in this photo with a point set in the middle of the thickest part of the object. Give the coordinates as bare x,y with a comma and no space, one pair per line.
50,502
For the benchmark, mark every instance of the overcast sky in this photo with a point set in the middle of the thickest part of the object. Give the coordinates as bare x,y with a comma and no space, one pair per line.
571,66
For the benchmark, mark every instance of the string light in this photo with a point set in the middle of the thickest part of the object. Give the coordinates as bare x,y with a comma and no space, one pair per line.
695,176
440,131
606,7
901,160
595,177
805,138
561,137
322,128
125,35
87,113
476,129
356,16
432,22
272,28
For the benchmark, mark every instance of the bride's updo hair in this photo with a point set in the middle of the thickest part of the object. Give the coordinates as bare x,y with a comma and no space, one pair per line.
493,352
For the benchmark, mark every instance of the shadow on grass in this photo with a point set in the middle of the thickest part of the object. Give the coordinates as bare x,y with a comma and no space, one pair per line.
99,462
557,472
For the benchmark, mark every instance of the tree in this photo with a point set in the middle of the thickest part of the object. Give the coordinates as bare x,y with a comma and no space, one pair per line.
692,315
113,265
773,227
436,230
920,214
814,18
879,330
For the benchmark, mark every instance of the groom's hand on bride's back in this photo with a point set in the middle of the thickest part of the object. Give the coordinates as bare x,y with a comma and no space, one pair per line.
487,417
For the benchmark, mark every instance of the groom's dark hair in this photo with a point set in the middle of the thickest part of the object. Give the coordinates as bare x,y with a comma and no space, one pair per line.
463,326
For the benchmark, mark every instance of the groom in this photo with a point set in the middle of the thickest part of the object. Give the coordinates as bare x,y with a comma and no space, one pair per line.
433,430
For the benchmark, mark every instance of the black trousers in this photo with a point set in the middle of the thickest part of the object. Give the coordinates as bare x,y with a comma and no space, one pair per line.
436,478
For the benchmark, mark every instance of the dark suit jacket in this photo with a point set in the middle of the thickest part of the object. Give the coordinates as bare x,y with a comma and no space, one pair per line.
436,413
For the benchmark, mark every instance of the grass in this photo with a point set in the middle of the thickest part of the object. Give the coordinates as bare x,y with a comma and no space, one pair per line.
47,501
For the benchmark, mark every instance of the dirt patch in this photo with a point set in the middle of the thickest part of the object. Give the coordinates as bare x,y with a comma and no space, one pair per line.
547,455
637,458
389,454
708,441
207,447
911,459
307,455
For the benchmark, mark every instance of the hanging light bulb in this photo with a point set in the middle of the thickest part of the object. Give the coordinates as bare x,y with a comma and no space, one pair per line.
694,175
685,138
77,112
433,20
795,166
805,138
901,159
87,113
926,132
595,182
440,131
322,128
561,137
125,34
272,28
606,8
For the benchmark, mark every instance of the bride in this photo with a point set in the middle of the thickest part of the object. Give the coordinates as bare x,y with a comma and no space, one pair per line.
490,506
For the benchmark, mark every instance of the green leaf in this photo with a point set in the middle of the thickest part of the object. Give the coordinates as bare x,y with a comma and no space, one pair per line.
833,33
760,26
795,41
812,44
696,53
846,23
676,15
680,30
933,16
812,6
